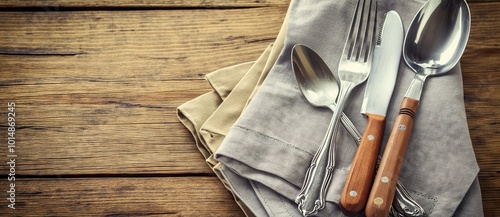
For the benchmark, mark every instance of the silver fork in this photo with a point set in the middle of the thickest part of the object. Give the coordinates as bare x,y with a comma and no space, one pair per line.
354,69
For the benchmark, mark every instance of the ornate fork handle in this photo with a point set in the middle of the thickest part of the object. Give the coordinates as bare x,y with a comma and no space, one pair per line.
312,196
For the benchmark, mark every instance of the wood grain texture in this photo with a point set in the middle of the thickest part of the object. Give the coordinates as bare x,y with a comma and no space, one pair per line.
167,196
490,189
384,184
51,5
129,46
97,84
96,91
54,5
480,67
362,168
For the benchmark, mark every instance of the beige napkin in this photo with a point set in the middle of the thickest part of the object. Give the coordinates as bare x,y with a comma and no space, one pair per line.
210,116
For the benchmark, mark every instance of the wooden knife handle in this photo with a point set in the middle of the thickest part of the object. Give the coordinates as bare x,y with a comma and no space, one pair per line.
384,185
360,178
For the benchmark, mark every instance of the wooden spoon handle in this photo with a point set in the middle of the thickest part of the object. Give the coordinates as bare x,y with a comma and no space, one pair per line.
384,185
360,178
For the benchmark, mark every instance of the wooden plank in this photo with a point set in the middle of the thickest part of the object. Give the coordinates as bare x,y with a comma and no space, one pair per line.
75,129
480,68
119,46
55,5
490,189
89,103
106,149
169,196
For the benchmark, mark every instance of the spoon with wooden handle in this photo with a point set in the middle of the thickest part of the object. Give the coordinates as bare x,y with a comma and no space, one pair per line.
434,43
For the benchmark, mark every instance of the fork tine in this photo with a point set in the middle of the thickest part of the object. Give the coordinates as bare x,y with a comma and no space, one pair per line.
353,32
370,30
361,33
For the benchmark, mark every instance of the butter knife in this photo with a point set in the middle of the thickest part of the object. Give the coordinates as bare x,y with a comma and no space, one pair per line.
378,92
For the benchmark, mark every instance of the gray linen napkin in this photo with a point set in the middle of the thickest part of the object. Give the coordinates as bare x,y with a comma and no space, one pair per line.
275,138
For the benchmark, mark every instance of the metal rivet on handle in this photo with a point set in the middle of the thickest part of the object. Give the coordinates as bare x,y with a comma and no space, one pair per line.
353,193
378,201
402,127
384,179
371,137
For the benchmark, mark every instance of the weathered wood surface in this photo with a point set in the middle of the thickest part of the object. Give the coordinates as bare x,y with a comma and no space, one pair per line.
148,196
481,67
96,92
54,4
94,87
98,4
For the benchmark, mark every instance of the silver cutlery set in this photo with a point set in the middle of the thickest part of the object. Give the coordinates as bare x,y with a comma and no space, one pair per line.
433,45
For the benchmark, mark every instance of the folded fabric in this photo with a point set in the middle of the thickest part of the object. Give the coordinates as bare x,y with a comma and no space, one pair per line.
197,111
209,117
275,138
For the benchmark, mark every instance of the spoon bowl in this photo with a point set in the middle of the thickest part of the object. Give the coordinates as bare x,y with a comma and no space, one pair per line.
437,37
317,83
315,79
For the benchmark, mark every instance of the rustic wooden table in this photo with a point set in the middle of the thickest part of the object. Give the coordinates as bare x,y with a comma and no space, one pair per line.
96,84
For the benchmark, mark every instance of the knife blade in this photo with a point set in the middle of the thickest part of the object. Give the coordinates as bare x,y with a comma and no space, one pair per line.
378,92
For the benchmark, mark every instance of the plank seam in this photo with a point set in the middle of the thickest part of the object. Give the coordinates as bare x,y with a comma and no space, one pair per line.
146,175
129,8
